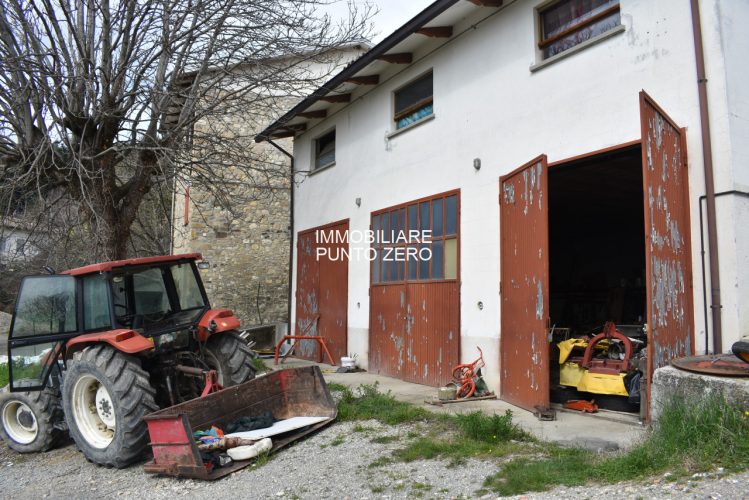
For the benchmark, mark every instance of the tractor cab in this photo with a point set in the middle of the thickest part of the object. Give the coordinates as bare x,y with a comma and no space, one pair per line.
160,298
103,339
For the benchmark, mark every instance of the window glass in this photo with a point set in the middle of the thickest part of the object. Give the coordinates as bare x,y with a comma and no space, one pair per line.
402,260
414,102
376,268
376,228
95,302
28,364
451,259
325,150
571,22
187,287
150,292
393,225
413,218
438,258
451,215
424,221
437,217
424,263
385,227
413,266
46,306
393,265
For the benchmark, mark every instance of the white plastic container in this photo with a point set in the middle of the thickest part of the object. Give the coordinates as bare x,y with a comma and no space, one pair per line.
348,362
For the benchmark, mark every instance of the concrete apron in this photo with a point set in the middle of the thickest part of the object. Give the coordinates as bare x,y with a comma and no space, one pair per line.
605,431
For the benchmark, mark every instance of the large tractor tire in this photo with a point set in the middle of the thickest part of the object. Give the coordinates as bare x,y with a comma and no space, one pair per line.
231,357
106,394
31,421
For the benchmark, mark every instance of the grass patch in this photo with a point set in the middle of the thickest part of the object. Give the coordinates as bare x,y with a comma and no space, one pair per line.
380,462
471,435
4,375
687,439
455,437
384,439
368,403
338,440
260,367
421,486
336,387
362,428
377,488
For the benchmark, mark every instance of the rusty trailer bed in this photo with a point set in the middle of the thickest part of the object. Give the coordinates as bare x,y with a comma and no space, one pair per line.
295,392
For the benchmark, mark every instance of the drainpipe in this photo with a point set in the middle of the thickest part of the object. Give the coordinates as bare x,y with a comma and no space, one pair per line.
291,230
707,158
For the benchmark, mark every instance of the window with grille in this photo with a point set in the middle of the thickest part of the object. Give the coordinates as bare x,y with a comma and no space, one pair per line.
568,23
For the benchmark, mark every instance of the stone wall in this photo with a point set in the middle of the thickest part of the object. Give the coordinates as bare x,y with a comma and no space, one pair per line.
247,247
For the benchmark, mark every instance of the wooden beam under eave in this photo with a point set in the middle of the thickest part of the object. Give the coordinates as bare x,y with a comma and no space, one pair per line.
364,80
487,3
321,113
436,31
334,98
289,130
400,58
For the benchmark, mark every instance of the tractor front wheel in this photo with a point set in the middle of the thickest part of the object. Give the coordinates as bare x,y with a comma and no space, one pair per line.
231,357
105,395
30,420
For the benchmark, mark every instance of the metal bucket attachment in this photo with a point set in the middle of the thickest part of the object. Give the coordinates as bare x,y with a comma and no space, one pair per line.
296,392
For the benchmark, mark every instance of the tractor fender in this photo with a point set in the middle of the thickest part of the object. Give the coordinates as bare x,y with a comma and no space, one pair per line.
124,340
216,321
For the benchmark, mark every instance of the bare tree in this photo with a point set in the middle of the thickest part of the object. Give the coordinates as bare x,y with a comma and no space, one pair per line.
101,101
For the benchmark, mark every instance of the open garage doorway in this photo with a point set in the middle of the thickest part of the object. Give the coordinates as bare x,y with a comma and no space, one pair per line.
566,268
597,274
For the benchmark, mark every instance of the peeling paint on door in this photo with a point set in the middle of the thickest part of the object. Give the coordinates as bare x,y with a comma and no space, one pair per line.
524,354
322,296
667,228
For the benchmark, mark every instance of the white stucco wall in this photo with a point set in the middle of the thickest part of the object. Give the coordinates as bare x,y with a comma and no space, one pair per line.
733,212
489,105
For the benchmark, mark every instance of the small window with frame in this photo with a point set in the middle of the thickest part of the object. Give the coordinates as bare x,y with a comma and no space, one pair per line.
414,102
567,23
325,150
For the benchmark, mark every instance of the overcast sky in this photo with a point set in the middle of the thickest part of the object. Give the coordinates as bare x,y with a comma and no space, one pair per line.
391,16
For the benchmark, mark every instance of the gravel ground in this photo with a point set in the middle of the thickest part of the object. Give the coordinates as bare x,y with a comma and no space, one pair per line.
334,463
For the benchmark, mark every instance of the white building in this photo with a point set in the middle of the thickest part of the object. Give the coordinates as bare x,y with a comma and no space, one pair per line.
602,222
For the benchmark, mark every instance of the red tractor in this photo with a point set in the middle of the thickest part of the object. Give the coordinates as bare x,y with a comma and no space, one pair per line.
95,349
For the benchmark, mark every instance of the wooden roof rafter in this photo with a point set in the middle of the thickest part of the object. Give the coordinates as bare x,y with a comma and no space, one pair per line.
399,58
336,98
436,31
364,80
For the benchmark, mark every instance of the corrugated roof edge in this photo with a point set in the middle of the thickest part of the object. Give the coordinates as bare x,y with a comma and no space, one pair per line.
408,29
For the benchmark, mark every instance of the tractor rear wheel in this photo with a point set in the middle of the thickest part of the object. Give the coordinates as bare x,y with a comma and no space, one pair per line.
30,420
105,395
231,357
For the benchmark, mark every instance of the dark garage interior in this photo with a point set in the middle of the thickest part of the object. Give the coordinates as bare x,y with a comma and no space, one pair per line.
596,260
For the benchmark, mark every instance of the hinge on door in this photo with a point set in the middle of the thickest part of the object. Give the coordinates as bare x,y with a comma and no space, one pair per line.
500,288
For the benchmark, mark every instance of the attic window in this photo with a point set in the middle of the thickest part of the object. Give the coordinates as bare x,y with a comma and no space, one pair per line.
413,102
571,22
325,150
